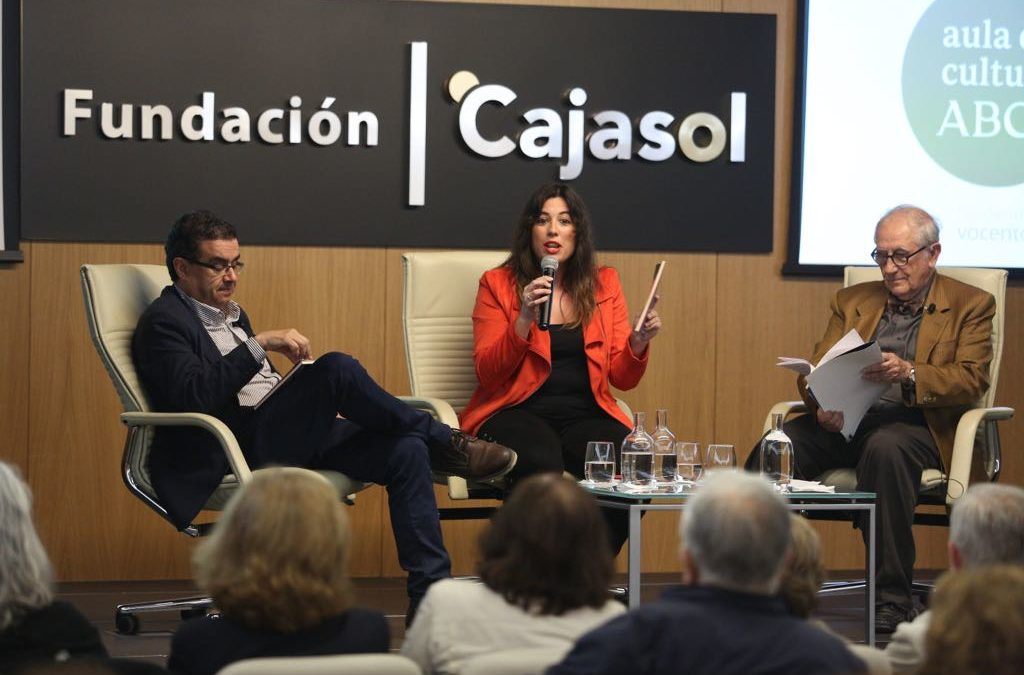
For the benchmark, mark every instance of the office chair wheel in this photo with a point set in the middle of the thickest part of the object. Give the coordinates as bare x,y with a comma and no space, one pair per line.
126,624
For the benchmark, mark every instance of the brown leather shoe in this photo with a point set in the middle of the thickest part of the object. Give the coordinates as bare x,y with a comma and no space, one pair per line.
473,458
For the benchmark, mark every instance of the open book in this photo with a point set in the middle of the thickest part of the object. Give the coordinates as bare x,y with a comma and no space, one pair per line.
836,382
296,368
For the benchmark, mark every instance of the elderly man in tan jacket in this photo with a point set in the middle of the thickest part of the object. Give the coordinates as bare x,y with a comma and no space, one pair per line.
935,337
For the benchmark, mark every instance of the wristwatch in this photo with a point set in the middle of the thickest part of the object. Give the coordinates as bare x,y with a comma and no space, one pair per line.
911,379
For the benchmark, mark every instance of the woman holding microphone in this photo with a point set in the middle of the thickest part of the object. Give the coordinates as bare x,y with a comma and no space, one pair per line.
546,392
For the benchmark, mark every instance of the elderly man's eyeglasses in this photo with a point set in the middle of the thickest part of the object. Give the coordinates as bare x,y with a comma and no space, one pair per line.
220,268
899,258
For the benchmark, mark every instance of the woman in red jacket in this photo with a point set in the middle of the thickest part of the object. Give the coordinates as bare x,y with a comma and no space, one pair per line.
546,393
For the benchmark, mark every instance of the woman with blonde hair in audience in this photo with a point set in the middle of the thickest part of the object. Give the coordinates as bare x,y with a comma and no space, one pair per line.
977,623
805,572
277,569
34,628
545,566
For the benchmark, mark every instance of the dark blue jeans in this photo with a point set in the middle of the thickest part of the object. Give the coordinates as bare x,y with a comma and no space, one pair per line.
381,440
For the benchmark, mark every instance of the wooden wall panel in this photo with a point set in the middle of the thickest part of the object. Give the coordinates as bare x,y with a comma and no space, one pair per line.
335,298
90,524
14,361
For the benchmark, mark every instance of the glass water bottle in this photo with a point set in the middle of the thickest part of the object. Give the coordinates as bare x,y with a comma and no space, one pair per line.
664,451
638,455
777,455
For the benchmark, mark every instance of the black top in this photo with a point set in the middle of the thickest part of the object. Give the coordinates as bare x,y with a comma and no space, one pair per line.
55,632
204,645
698,630
566,394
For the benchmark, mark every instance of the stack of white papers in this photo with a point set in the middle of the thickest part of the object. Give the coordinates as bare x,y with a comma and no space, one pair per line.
796,485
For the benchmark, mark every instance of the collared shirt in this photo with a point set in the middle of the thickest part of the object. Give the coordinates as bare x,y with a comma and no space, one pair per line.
897,333
227,335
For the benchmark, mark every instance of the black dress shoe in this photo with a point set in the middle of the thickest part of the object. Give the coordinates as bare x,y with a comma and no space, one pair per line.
473,458
889,615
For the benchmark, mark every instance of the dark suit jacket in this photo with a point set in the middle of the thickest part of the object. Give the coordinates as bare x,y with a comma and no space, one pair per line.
183,371
705,630
205,645
954,348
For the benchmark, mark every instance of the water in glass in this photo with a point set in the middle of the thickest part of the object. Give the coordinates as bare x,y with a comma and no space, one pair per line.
599,464
689,461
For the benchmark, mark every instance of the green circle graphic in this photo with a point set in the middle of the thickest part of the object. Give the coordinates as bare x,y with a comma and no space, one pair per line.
963,88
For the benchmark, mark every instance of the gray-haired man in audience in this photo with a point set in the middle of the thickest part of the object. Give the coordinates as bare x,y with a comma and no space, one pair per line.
985,528
726,617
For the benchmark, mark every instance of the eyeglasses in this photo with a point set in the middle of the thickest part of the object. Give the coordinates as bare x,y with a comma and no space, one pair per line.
898,258
220,268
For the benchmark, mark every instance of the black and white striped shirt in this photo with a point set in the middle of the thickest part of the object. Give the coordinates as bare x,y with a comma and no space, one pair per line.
227,335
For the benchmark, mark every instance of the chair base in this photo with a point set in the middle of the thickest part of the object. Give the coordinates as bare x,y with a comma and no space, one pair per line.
918,589
127,623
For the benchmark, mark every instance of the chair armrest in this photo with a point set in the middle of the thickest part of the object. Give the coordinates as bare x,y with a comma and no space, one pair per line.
440,409
787,408
963,448
189,419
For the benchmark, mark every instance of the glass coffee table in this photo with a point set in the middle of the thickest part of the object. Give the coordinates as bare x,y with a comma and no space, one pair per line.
611,497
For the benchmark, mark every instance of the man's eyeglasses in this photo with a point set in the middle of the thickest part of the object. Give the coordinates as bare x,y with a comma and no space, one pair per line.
220,268
899,258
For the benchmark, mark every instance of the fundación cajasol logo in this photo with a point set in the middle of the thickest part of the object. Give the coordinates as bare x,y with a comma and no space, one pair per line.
963,88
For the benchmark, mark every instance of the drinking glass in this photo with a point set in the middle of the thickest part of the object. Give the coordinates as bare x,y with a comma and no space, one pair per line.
689,462
721,456
599,464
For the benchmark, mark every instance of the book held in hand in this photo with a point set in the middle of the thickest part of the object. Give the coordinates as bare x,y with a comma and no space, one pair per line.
295,369
658,269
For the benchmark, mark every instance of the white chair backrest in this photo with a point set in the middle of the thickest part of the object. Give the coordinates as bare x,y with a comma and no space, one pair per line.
115,297
440,291
532,661
987,279
343,664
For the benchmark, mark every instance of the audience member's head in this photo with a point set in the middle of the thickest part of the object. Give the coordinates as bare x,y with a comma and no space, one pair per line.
547,548
977,622
735,534
805,570
26,577
987,526
278,557
190,229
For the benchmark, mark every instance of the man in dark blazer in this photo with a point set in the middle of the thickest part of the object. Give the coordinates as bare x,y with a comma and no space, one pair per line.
935,336
196,350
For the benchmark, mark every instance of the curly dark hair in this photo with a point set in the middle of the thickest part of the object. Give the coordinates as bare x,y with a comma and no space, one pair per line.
189,230
547,548
578,275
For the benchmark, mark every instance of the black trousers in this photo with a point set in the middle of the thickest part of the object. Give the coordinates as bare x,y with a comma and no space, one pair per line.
550,445
890,451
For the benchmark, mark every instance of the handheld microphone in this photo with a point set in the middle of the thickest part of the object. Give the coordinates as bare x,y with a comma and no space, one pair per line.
548,265
931,308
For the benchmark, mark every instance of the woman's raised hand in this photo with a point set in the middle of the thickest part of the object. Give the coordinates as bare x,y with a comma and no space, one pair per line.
639,339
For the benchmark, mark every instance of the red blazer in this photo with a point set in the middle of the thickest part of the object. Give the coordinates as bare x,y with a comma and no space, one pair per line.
510,369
